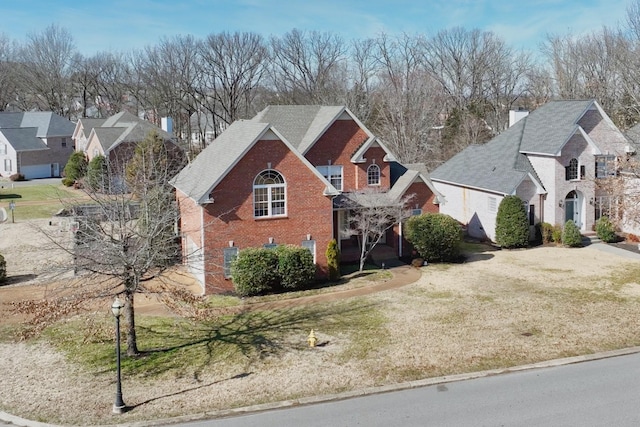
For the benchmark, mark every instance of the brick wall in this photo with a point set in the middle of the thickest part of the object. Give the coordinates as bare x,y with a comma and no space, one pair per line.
231,217
338,144
373,155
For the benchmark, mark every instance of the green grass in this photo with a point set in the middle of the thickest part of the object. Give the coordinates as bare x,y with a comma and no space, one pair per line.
27,198
179,347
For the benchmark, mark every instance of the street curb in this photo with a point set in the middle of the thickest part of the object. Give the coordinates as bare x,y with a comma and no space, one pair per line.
225,413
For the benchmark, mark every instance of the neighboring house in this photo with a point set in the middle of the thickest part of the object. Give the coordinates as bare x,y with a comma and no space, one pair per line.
34,144
114,137
203,129
551,158
275,179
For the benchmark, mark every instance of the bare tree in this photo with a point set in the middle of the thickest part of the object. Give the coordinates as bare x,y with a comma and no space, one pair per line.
49,58
305,66
408,101
8,68
371,214
124,242
232,67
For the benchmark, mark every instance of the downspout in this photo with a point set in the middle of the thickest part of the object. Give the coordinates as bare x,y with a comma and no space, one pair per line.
400,236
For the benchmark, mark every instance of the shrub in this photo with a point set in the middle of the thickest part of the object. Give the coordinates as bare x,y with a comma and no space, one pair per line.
547,232
3,269
436,236
571,234
556,234
255,271
512,224
97,177
605,230
333,260
17,177
75,169
295,266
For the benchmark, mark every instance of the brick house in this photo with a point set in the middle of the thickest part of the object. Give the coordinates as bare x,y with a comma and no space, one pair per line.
274,180
552,159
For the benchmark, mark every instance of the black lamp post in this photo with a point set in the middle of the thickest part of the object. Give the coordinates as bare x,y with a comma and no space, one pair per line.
118,406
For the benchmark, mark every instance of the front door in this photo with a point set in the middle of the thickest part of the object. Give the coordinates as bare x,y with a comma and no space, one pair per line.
572,208
55,170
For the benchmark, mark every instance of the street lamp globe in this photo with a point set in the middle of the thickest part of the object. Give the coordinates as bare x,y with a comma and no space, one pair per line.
117,307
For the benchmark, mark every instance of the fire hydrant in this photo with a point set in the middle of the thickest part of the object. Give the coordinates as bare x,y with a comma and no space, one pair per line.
312,340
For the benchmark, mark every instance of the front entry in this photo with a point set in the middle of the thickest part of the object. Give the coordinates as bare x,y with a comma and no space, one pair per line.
573,208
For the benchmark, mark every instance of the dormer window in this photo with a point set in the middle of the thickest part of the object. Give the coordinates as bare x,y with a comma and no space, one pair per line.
373,175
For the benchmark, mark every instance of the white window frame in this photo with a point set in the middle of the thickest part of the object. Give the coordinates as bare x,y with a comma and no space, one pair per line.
311,246
228,254
3,149
273,195
373,174
7,165
605,166
333,174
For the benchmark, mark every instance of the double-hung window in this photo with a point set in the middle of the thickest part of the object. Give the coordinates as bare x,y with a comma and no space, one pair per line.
269,194
605,166
333,173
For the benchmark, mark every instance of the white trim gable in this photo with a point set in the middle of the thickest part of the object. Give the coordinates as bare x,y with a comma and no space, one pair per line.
269,133
592,144
358,157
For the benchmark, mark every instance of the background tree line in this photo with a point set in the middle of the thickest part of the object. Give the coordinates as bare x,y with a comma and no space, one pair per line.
426,97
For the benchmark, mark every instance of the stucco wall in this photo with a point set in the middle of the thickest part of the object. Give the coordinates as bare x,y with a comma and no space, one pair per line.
471,208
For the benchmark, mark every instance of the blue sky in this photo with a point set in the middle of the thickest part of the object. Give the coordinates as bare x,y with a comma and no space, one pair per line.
122,25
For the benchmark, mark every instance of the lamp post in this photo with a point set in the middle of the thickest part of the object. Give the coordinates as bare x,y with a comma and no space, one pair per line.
118,406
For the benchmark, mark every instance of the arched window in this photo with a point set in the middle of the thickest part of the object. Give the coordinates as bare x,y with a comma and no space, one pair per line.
269,194
373,174
571,172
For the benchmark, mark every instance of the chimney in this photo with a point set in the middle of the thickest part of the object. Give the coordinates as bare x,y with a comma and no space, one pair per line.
516,115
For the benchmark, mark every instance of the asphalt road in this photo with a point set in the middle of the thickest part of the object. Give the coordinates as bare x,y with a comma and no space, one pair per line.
598,393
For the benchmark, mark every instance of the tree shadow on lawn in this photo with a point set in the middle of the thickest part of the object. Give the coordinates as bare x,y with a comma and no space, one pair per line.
13,280
252,335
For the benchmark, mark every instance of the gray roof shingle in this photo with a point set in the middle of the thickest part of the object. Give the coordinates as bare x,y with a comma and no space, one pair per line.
549,127
301,125
202,175
501,164
24,139
496,166
48,124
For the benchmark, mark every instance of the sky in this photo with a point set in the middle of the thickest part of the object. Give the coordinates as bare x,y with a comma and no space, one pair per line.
125,25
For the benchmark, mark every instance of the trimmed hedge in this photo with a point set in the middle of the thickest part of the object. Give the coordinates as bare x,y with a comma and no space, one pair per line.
257,271
436,236
606,230
512,224
571,235
295,266
75,169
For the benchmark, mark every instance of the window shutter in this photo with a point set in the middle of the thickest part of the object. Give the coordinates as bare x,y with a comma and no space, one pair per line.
566,173
582,171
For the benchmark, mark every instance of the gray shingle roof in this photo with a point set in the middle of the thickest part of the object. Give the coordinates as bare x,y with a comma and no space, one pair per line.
202,175
125,127
549,127
301,125
24,139
495,166
500,165
48,124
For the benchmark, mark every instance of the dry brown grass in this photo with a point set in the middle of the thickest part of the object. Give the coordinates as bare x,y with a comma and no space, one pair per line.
502,309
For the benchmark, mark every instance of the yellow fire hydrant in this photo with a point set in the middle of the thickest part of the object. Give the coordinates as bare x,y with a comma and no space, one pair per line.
312,340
